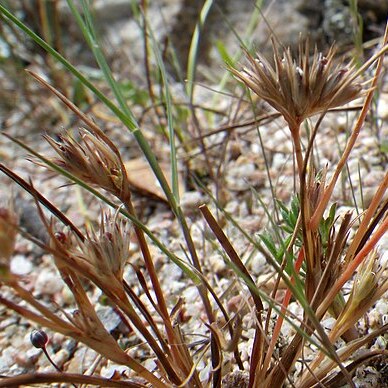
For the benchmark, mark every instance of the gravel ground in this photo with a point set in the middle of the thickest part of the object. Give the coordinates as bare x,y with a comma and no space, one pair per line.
243,169
238,163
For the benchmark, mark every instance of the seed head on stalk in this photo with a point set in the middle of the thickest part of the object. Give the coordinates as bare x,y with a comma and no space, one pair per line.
93,159
299,87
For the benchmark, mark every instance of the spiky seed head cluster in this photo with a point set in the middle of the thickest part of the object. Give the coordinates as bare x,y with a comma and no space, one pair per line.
102,254
108,249
91,159
300,87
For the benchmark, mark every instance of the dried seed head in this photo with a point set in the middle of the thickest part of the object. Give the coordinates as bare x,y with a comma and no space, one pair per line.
366,280
61,237
8,232
365,286
92,159
299,87
62,243
105,252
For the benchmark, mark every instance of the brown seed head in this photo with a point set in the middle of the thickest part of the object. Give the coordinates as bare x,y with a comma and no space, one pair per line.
367,282
105,252
299,87
93,160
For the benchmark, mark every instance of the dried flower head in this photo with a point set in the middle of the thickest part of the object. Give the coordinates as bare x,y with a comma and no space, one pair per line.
366,281
299,88
368,285
92,159
104,253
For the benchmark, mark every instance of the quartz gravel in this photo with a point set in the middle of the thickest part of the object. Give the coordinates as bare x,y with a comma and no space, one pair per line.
239,165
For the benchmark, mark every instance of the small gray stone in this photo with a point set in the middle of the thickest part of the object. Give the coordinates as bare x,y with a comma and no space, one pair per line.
48,282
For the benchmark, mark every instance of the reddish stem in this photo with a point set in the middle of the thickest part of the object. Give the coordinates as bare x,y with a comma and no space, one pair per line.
283,310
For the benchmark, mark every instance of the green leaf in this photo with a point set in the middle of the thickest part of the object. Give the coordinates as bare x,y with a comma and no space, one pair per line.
267,240
221,48
135,95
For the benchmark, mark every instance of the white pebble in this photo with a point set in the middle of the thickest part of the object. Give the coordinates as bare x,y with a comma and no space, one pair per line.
258,263
217,263
191,200
382,307
20,265
48,283
382,108
110,370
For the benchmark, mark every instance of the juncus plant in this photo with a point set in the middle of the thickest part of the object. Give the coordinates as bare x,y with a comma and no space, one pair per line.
299,88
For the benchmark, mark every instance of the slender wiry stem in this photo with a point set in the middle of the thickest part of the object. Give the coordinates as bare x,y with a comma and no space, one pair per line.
297,148
380,232
122,303
314,222
150,266
178,357
376,200
48,378
279,322
304,201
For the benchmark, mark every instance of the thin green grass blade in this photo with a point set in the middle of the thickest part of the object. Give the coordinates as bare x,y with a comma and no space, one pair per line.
68,66
194,47
88,28
275,228
223,52
358,30
244,43
186,267
170,123
128,121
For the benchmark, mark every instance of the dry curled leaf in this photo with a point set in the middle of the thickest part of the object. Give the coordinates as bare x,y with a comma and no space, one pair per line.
142,180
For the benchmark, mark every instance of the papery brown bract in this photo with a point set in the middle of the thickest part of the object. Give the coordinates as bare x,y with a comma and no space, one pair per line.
8,232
